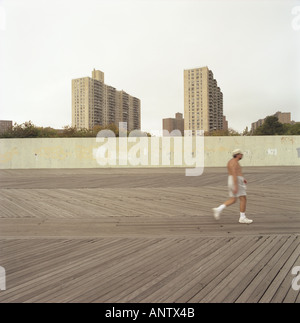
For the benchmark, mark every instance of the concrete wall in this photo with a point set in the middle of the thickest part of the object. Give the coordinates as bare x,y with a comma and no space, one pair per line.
214,151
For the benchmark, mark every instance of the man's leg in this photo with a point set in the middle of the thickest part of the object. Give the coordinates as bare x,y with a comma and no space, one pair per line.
229,202
243,202
243,218
217,211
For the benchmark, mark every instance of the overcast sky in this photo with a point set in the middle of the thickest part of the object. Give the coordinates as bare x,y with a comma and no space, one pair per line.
143,47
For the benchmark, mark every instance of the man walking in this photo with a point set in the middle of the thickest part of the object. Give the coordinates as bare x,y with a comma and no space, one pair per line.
236,186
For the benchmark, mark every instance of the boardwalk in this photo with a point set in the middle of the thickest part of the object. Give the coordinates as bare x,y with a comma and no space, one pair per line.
147,235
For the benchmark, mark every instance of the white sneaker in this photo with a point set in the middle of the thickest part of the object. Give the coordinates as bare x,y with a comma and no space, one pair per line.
245,220
217,213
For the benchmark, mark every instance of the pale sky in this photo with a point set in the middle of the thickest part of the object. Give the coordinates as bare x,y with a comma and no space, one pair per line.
143,47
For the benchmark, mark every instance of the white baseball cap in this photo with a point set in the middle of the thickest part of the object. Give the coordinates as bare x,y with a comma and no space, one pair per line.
236,152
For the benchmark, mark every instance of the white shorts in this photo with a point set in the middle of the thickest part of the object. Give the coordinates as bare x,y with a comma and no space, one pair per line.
241,186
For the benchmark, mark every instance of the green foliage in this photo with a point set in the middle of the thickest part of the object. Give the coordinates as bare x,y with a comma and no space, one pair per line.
25,130
272,126
29,130
217,133
246,132
292,129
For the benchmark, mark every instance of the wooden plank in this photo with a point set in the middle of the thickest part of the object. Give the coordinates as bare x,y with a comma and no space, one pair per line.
291,294
157,291
169,265
237,279
198,272
142,271
258,285
196,290
259,262
85,289
135,235
53,267
277,290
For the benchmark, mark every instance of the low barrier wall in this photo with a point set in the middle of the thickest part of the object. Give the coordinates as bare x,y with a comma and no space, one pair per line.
147,152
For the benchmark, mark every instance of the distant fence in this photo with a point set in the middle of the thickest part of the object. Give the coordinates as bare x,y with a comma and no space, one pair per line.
147,152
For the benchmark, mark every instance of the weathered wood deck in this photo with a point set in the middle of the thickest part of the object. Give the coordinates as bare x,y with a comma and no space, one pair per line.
147,235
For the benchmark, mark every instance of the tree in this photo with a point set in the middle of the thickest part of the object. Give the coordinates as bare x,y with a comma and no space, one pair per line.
47,132
246,132
24,130
271,126
29,130
293,129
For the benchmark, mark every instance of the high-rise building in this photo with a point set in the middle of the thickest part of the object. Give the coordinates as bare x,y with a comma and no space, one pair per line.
5,125
95,103
176,123
203,101
283,117
225,123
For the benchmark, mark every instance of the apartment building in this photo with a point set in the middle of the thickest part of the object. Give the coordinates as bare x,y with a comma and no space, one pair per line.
176,123
203,101
225,123
95,103
5,125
